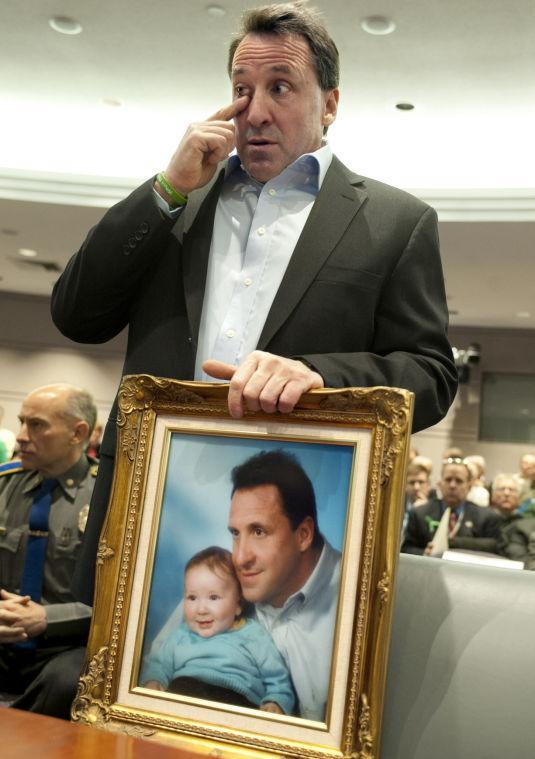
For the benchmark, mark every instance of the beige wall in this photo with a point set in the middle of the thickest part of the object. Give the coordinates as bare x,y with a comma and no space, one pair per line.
501,351
34,353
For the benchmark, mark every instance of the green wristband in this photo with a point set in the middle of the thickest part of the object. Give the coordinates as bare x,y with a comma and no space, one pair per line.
177,197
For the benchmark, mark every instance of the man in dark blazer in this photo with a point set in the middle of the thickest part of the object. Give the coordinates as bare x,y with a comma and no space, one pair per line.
360,298
471,527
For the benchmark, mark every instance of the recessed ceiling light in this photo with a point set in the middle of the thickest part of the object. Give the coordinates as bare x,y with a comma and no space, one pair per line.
112,102
523,314
27,253
405,106
378,25
65,25
217,11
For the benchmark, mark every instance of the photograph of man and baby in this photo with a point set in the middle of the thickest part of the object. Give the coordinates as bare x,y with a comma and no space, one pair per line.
246,573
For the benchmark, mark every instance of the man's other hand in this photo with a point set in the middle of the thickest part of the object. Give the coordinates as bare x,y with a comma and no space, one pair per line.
264,381
20,618
203,146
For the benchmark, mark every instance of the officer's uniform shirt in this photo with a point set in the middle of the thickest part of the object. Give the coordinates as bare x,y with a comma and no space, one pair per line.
66,524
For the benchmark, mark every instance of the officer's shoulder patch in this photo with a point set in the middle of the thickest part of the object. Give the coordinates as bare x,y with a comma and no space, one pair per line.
11,467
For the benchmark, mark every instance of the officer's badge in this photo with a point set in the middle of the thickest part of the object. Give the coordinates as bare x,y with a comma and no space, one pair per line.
93,471
82,517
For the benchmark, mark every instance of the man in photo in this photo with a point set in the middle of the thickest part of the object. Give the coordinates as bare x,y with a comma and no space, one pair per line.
287,569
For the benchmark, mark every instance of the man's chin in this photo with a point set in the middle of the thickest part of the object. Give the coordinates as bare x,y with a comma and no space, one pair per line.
26,461
262,167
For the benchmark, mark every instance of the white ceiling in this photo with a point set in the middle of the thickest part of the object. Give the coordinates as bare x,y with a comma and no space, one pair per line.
468,66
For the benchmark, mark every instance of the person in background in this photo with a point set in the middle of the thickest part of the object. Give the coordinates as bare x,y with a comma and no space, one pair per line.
470,527
526,481
505,496
7,440
416,490
44,504
479,493
93,447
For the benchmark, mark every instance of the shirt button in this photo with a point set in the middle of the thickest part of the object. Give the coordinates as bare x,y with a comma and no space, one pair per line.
272,192
231,333
261,231
69,483
247,282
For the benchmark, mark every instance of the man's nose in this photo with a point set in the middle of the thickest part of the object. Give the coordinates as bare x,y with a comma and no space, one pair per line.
257,111
241,553
22,436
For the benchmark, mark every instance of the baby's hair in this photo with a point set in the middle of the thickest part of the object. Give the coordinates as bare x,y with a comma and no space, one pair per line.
214,558
218,559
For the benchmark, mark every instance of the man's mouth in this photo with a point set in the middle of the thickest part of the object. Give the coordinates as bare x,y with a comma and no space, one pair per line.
249,576
259,142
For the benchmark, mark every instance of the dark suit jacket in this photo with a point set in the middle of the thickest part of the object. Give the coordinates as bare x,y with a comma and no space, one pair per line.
479,530
362,299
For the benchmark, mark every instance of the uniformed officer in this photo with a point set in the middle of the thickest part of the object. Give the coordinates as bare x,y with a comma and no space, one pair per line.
44,503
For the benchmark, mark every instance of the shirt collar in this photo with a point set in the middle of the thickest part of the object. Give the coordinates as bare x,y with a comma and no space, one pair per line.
69,481
320,576
307,172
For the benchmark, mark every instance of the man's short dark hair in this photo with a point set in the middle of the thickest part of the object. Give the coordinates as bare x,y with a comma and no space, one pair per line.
294,18
284,471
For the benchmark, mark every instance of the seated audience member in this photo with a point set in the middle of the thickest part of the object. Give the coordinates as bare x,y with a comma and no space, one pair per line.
93,447
479,493
505,496
471,527
44,503
517,541
7,441
526,480
416,490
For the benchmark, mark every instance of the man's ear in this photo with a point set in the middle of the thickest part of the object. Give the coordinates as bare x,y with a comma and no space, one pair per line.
80,432
331,106
305,534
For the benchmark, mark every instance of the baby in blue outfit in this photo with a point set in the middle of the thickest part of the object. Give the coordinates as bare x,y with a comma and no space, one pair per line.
217,653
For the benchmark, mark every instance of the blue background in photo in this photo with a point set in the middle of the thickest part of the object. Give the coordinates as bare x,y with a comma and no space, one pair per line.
196,503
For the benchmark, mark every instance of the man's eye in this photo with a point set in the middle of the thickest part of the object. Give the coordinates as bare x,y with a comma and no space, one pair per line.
258,531
240,89
281,88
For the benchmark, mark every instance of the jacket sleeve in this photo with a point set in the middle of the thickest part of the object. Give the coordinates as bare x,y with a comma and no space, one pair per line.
65,620
91,300
414,542
410,346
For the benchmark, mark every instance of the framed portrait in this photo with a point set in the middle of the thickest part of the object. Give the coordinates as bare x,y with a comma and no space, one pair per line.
246,570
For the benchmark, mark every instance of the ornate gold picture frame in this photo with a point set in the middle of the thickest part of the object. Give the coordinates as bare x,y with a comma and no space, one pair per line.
177,454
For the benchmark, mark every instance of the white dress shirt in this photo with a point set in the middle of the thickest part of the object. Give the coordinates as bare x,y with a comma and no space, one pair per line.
303,631
256,229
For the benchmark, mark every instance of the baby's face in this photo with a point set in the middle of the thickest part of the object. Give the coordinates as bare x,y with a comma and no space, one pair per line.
211,601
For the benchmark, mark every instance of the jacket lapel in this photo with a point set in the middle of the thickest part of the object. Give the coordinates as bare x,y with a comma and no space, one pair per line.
337,203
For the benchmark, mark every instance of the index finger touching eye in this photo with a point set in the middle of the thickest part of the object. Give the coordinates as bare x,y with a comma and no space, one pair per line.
230,111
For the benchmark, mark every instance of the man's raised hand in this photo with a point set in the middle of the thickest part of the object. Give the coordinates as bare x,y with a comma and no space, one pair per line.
203,146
